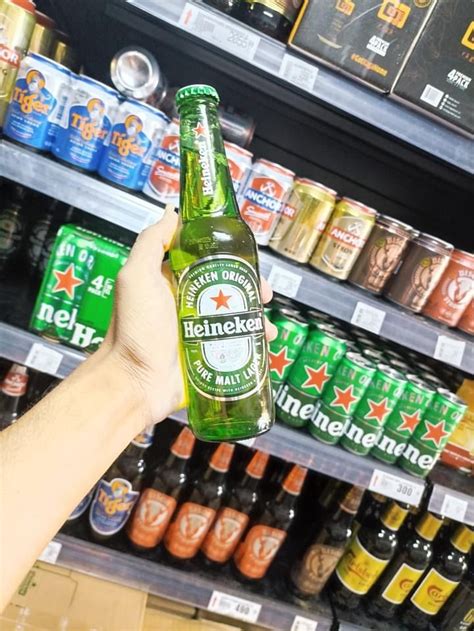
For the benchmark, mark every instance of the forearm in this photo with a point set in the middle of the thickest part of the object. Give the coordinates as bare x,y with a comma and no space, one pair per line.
54,455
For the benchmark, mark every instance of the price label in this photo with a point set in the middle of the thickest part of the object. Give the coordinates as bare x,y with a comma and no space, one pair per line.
303,624
44,359
397,488
453,507
248,442
284,282
51,553
449,350
235,607
367,317
298,72
221,32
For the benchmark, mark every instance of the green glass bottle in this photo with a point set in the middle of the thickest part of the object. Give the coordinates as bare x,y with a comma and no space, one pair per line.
220,312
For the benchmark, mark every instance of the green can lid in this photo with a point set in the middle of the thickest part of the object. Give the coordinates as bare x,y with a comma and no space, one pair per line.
197,90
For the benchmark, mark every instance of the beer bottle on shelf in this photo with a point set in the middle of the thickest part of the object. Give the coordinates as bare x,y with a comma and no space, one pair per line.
157,503
12,394
193,520
328,497
458,614
367,556
232,519
440,581
226,6
267,533
39,230
118,490
12,229
81,507
65,214
214,258
406,569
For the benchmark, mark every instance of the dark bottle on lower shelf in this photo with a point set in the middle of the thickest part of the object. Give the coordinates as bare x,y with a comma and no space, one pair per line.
458,614
12,394
272,18
12,229
406,569
226,6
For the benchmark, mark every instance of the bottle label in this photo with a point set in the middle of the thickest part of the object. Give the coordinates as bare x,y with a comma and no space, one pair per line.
462,539
145,438
15,383
428,526
188,530
183,446
112,505
222,328
221,457
151,518
82,506
223,538
402,583
294,480
394,517
255,554
433,592
316,567
256,467
358,569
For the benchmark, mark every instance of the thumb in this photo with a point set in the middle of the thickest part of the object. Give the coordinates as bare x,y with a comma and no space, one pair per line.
152,243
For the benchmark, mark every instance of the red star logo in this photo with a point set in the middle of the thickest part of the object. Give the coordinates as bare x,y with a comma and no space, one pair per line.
279,361
221,300
435,432
66,281
344,398
410,421
199,130
378,410
316,378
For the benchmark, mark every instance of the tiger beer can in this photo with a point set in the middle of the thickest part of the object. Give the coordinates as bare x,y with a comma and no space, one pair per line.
344,237
163,180
466,323
454,291
263,196
239,161
304,217
44,35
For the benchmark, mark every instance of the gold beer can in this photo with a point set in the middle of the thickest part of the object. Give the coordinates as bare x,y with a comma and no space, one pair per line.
303,220
44,35
343,239
63,52
17,21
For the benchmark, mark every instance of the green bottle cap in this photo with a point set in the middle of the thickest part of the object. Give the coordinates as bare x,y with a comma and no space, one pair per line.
193,91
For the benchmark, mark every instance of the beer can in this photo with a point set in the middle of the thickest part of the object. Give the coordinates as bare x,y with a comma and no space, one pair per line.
422,266
239,161
136,74
381,254
454,291
466,323
374,355
303,220
136,133
17,21
86,123
44,35
163,180
344,237
285,348
236,127
39,97
262,197
63,52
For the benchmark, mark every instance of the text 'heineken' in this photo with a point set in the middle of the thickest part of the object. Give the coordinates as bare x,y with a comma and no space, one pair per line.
214,258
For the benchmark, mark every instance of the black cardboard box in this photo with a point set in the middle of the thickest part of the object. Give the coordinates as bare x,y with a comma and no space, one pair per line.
439,75
368,39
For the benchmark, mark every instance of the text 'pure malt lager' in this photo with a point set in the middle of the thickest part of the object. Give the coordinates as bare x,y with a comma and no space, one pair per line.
214,258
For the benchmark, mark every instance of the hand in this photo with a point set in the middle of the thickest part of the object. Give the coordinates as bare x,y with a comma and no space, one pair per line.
143,335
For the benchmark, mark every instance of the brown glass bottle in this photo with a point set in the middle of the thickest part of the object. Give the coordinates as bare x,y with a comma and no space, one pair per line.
158,502
266,534
226,6
12,394
310,574
272,17
458,615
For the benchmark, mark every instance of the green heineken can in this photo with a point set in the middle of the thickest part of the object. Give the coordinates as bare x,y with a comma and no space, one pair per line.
432,433
268,313
75,301
373,410
280,302
316,364
401,365
392,355
285,348
341,397
404,419
431,379
374,355
318,317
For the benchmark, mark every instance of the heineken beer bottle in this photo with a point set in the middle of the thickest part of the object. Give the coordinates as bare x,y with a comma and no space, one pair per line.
214,259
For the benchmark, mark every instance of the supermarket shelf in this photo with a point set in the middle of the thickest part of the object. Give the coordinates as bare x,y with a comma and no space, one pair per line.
320,83
43,174
190,587
452,494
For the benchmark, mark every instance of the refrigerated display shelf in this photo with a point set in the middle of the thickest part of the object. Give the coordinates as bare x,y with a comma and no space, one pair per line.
188,587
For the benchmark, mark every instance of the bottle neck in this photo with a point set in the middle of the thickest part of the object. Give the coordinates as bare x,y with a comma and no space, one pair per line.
427,526
348,506
393,516
206,184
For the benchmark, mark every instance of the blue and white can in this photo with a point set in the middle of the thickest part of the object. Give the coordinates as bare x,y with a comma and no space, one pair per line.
40,94
86,123
137,132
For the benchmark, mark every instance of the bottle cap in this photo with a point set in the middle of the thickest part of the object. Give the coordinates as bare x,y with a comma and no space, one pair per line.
256,467
221,458
294,480
193,91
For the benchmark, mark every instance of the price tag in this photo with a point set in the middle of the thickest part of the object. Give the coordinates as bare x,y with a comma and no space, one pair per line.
298,72
449,350
303,624
284,282
248,442
51,553
453,507
234,607
222,32
367,317
397,488
44,359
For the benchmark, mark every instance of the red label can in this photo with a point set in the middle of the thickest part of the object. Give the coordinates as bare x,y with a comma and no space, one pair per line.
240,161
163,181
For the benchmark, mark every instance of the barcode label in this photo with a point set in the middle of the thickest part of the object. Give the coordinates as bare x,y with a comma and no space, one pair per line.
284,282
449,350
367,317
432,95
298,72
44,359
234,607
303,624
453,507
396,488
51,553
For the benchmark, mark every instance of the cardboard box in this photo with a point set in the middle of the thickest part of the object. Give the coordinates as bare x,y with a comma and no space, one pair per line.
170,606
439,75
367,39
160,621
